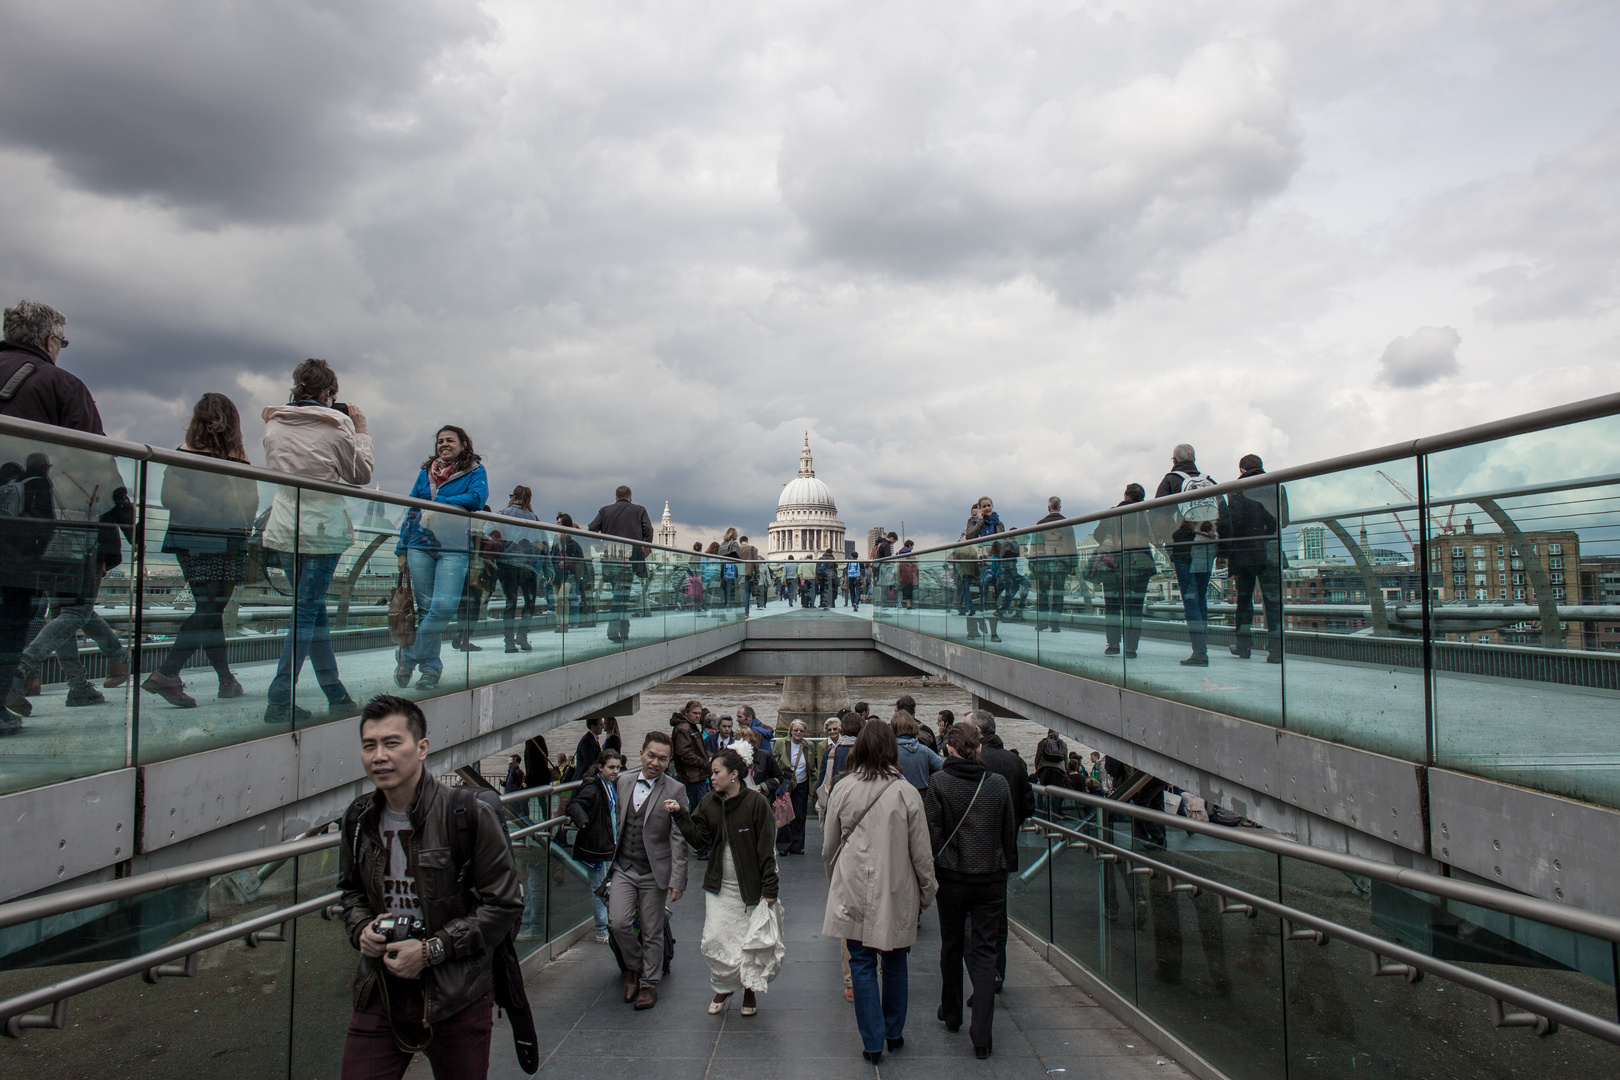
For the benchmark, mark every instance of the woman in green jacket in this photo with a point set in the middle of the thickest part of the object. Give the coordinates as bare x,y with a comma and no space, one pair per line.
737,820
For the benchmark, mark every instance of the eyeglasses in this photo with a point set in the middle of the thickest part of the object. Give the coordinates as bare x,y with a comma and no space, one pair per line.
60,338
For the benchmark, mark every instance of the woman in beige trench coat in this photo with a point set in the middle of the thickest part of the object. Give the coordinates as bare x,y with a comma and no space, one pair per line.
880,867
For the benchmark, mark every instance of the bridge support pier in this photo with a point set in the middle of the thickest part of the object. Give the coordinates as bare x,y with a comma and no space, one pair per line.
812,698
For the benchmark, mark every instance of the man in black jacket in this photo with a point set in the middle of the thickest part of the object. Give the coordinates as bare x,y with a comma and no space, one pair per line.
623,518
998,759
975,840
590,745
438,979
1249,524
32,387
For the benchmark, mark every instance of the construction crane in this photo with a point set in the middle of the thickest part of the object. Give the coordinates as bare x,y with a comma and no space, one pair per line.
1447,529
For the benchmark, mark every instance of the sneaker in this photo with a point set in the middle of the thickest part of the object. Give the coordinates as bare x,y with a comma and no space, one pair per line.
286,714
428,682
523,643
602,938
511,647
1130,654
1112,650
1241,654
19,704
10,722
230,688
1197,659
344,706
402,677
170,689
1274,658
1055,628
995,637
85,695
117,675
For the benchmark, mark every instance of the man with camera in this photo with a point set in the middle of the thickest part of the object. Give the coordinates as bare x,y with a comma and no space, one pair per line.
426,928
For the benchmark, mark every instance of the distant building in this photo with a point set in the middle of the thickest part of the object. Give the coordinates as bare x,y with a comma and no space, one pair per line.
806,517
1312,543
665,531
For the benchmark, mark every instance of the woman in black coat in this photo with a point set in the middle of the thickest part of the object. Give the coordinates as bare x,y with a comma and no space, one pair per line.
594,809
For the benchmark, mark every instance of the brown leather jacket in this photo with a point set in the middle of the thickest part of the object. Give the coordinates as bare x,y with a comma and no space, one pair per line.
469,922
691,759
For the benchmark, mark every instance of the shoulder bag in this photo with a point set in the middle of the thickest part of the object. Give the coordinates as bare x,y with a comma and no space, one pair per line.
401,612
844,839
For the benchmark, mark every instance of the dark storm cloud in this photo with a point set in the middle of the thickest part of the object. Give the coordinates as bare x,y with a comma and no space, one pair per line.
232,110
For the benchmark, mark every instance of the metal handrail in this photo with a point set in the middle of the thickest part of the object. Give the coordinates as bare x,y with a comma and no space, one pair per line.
152,965
1589,409
1543,1014
39,907
1592,924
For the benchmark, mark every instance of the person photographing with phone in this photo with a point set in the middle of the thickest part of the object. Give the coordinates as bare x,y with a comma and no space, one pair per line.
427,928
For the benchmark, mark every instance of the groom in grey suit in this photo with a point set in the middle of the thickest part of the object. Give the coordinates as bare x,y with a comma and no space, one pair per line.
649,866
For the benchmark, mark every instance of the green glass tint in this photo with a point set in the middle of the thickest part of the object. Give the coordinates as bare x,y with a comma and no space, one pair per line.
68,569
1524,538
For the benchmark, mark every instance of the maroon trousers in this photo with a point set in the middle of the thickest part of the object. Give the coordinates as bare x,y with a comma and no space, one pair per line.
458,1049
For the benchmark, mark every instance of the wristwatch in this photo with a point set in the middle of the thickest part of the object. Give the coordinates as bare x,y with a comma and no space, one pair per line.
435,951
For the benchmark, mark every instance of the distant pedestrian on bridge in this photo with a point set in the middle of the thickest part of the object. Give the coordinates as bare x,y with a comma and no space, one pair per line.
519,564
622,563
310,437
1052,559
434,549
1250,524
741,876
1122,567
880,870
1189,531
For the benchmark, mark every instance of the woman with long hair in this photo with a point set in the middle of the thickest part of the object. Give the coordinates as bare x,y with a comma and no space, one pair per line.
880,869
210,517
515,567
728,570
433,547
737,820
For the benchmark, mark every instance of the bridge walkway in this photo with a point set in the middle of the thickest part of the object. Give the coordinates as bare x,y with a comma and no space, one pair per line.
805,1030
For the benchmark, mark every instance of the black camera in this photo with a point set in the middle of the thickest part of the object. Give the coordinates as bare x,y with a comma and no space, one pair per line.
396,928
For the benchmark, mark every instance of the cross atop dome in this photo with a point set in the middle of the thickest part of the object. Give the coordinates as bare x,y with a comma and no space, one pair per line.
807,467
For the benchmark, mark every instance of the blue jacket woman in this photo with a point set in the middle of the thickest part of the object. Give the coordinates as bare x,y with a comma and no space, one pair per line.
433,547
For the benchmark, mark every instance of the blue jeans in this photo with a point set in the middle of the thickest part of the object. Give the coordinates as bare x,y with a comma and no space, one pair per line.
1194,586
599,909
855,593
748,596
879,1016
964,593
309,635
437,578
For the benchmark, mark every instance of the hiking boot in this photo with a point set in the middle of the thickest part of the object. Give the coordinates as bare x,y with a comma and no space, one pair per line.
632,985
117,675
19,704
647,998
229,687
170,689
84,695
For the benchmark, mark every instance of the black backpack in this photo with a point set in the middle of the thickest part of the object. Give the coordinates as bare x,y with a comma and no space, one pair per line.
509,992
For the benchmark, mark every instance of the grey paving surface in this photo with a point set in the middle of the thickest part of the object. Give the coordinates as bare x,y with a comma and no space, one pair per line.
1044,1026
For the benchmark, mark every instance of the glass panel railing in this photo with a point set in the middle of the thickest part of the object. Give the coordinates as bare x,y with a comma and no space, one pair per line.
1259,997
67,575
1525,561
1353,608
1341,1022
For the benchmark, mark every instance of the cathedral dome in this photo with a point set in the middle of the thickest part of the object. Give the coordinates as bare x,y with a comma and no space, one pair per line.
808,492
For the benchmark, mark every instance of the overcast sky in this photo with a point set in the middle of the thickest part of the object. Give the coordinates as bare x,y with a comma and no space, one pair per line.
1005,248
